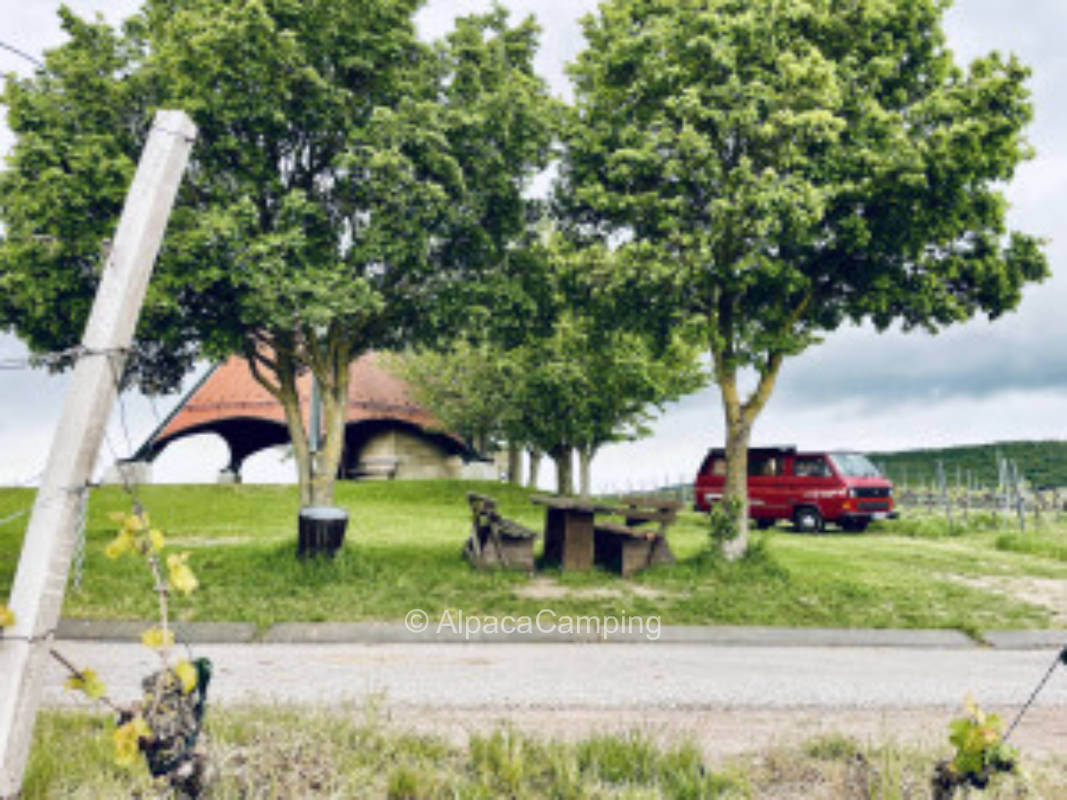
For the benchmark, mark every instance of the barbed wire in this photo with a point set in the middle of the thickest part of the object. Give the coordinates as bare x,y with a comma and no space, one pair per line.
23,54
26,481
116,378
1061,658
13,517
58,358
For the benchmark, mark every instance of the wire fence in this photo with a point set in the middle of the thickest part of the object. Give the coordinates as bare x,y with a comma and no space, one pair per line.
1014,500
64,359
677,488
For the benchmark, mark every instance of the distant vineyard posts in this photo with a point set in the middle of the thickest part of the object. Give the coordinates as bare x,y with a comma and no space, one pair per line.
1012,496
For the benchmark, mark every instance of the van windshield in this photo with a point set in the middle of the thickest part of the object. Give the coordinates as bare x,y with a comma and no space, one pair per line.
854,465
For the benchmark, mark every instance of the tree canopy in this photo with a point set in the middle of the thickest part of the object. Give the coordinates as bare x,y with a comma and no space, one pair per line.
349,183
775,168
550,371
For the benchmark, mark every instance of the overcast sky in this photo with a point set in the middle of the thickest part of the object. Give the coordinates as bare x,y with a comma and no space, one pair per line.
977,382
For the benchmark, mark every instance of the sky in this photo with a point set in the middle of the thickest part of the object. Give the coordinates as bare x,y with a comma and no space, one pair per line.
860,390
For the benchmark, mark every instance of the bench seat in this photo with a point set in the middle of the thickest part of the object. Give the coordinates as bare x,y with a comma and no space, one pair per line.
495,540
641,541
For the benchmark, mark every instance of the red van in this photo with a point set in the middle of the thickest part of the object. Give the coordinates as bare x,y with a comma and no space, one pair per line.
810,489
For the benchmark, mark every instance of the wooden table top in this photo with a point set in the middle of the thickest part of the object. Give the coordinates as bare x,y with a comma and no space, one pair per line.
589,506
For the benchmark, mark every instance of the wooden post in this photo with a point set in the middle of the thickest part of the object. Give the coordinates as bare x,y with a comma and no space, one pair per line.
1020,506
943,487
37,594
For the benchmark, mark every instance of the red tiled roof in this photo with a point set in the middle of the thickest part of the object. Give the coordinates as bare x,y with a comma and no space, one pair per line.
231,391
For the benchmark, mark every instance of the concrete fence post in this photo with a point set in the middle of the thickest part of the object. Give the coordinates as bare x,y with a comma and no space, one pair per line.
44,564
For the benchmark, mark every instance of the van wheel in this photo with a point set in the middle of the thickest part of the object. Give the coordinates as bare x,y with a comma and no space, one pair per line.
807,520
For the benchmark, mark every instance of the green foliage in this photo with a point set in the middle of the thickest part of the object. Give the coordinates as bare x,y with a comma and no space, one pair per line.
775,169
547,348
466,388
980,753
833,747
607,379
403,784
280,752
935,525
1045,544
722,523
283,752
348,186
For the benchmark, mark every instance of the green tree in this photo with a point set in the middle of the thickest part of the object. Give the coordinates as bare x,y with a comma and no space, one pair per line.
542,367
348,183
586,385
464,386
773,168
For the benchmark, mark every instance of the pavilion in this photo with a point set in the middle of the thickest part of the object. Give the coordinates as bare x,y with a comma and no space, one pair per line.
386,434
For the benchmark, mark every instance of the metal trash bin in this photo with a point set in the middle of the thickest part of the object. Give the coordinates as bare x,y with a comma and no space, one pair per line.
322,530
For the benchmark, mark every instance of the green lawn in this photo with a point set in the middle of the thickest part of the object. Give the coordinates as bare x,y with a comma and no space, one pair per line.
402,551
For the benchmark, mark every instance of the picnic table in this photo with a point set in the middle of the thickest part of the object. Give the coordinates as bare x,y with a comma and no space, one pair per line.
580,533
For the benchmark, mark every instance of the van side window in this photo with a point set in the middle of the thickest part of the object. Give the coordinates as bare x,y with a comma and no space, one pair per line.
764,466
811,467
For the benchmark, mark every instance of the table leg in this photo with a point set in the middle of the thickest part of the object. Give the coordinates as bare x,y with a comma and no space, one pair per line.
578,539
555,527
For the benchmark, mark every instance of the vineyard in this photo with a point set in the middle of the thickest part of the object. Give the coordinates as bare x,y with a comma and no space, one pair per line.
1041,464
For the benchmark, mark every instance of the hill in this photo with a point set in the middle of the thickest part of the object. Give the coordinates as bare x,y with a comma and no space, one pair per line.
1042,463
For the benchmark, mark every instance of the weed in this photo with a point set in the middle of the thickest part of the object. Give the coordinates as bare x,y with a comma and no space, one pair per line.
832,747
403,784
1034,543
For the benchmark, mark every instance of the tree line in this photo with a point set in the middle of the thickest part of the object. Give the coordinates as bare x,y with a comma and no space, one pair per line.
733,177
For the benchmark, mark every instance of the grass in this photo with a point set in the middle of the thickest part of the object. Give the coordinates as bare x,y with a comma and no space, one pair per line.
280,752
403,551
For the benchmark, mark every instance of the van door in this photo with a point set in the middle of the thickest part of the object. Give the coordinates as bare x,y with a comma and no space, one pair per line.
812,483
767,497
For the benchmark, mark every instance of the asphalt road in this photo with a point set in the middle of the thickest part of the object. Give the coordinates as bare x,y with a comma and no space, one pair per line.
592,676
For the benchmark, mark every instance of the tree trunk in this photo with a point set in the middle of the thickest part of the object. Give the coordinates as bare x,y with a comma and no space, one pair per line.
585,464
514,464
328,459
739,418
535,469
332,372
294,420
278,353
735,489
563,457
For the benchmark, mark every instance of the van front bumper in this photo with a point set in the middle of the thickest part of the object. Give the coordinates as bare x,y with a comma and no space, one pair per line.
869,515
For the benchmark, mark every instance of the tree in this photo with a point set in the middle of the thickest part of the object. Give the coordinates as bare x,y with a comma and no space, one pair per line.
540,367
587,384
349,182
775,168
464,387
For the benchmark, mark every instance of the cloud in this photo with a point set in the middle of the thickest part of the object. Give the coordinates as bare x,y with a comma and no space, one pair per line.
978,360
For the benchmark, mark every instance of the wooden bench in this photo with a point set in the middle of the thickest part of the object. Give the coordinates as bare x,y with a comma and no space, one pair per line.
494,540
636,544
376,468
